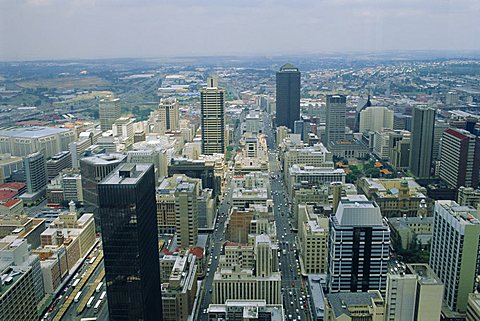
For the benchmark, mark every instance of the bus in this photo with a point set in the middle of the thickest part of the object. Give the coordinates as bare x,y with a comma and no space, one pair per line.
102,296
90,301
77,297
92,260
97,306
75,283
99,287
88,319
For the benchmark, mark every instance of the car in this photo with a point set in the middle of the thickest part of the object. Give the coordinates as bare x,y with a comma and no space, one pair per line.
204,311
209,290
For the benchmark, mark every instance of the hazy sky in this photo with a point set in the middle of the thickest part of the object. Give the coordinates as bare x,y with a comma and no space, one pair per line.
52,29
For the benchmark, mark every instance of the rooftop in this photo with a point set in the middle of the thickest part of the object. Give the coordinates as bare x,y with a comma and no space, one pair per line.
340,302
32,132
357,210
118,176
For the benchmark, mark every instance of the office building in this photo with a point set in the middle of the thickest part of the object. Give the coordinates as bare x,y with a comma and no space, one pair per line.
312,240
21,286
8,165
311,175
123,131
375,119
179,287
359,233
212,101
473,307
251,310
93,169
414,293
455,251
58,163
186,213
440,127
109,112
460,158
249,275
130,243
287,96
202,169
467,196
421,141
23,141
35,176
348,306
165,118
335,119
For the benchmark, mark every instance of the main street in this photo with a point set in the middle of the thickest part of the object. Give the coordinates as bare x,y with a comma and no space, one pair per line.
216,240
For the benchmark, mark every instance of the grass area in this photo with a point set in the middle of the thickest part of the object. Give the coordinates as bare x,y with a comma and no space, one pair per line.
83,97
64,83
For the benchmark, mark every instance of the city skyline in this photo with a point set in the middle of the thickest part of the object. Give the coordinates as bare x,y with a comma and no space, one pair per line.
108,29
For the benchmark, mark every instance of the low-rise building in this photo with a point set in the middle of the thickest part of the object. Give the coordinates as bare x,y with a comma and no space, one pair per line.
407,230
241,310
397,197
468,196
348,306
179,287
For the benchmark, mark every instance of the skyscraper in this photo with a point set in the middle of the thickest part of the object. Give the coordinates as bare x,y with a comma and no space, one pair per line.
130,243
359,246
288,96
460,158
186,213
212,100
335,119
455,251
421,142
93,169
108,111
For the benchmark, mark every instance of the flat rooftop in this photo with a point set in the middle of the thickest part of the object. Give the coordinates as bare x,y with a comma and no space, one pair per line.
33,132
132,174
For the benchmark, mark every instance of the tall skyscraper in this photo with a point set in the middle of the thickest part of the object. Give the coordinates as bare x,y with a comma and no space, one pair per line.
421,142
335,119
108,111
288,96
212,100
186,213
460,158
455,251
359,246
130,243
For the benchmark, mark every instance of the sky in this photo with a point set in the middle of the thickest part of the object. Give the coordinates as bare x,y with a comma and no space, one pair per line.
71,29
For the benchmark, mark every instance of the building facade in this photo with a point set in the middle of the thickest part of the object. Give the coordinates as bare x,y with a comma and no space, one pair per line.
212,102
421,142
130,243
287,96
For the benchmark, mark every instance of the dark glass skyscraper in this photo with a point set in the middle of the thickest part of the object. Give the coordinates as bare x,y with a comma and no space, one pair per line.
288,96
129,231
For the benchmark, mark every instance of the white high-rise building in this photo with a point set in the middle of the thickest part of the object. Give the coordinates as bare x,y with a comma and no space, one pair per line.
108,111
455,251
375,119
